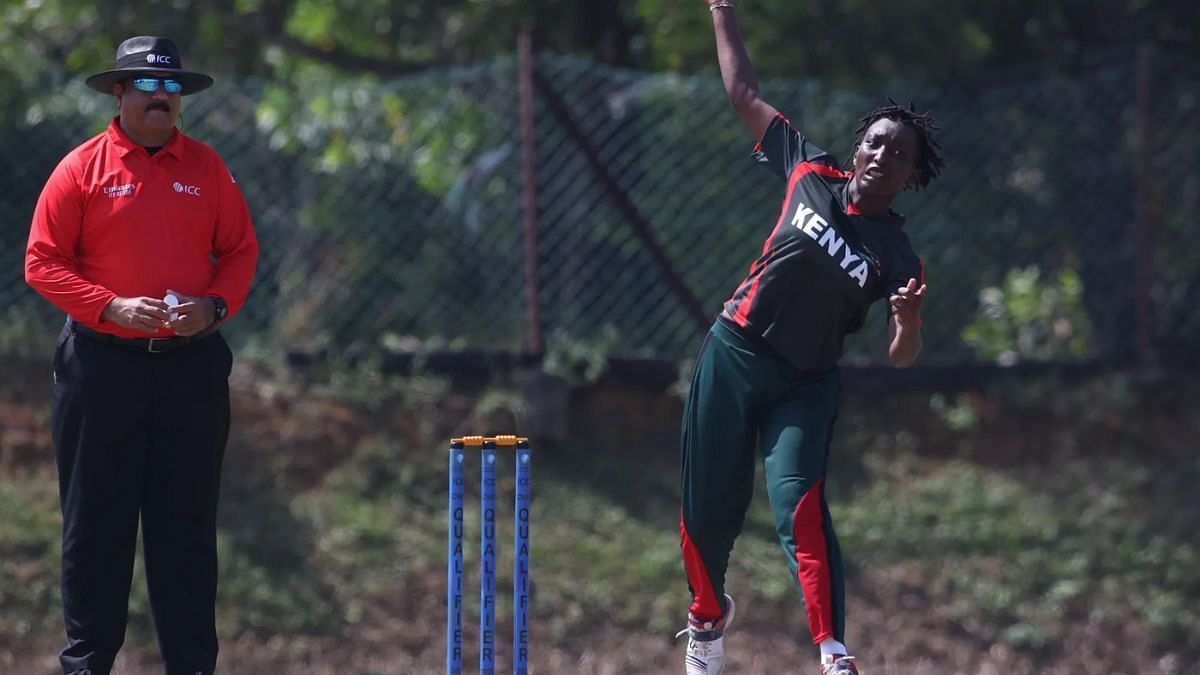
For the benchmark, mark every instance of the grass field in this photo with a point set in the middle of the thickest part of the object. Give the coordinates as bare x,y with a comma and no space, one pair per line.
998,543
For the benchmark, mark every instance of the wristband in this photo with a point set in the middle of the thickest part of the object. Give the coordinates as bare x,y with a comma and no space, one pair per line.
720,3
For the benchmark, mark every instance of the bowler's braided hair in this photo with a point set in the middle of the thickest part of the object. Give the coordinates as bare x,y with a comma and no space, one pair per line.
930,161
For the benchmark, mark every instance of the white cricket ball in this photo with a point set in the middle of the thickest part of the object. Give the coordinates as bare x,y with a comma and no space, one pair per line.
172,301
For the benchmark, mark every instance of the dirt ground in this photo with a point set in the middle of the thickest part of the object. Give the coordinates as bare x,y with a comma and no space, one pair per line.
898,629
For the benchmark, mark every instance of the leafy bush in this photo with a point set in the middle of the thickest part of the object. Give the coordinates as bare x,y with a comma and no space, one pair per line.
1030,318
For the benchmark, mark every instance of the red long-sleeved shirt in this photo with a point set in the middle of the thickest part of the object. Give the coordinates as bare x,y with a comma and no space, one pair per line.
114,221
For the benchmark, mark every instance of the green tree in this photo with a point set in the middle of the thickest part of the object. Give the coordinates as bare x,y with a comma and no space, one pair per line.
848,41
860,41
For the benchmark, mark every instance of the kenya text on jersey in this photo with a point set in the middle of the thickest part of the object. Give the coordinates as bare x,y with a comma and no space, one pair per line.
807,221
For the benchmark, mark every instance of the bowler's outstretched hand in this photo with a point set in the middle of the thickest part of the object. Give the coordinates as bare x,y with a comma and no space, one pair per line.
906,303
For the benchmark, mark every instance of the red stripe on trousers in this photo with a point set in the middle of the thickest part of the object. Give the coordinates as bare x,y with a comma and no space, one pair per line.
705,604
812,560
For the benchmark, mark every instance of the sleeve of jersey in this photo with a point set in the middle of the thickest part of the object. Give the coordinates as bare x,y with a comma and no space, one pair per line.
51,267
234,245
780,147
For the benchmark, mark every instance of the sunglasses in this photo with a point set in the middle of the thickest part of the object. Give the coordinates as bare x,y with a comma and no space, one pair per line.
151,84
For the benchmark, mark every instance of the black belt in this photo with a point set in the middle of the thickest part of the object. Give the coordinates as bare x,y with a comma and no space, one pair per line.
151,345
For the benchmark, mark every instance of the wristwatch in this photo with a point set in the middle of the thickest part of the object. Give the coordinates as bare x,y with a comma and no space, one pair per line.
220,309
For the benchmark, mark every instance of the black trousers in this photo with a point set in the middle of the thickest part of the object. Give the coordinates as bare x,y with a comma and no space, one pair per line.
138,434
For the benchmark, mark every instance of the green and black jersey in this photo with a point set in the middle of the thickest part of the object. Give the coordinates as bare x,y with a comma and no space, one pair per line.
823,264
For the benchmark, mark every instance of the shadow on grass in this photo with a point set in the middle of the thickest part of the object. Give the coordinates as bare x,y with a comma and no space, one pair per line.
267,569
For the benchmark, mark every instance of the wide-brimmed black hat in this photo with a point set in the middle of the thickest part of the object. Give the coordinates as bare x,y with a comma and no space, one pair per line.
147,54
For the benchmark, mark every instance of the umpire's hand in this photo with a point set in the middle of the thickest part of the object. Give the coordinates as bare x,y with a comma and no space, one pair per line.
147,315
195,314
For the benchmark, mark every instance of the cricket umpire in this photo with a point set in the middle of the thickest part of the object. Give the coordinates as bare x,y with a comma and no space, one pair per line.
142,237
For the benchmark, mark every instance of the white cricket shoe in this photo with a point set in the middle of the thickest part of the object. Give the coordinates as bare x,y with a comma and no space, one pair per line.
706,643
838,665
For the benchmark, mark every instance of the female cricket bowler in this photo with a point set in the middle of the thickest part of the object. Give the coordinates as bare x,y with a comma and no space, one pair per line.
767,372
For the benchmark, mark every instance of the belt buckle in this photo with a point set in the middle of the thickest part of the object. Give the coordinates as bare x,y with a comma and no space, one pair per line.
150,345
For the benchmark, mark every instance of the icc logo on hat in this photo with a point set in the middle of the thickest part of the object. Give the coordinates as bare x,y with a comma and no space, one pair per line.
152,55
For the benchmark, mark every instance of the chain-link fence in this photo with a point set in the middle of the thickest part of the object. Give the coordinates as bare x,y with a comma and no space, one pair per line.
391,214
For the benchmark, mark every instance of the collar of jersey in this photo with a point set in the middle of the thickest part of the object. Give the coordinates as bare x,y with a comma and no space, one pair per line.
852,208
117,136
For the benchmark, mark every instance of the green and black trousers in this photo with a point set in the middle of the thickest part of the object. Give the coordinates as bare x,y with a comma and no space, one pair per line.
747,401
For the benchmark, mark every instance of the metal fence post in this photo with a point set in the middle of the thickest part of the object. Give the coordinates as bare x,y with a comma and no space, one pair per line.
529,195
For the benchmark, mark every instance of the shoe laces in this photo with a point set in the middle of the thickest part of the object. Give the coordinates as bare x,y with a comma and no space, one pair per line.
706,649
705,632
842,665
698,634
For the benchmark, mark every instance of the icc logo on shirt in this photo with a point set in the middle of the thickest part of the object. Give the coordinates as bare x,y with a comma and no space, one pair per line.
189,189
